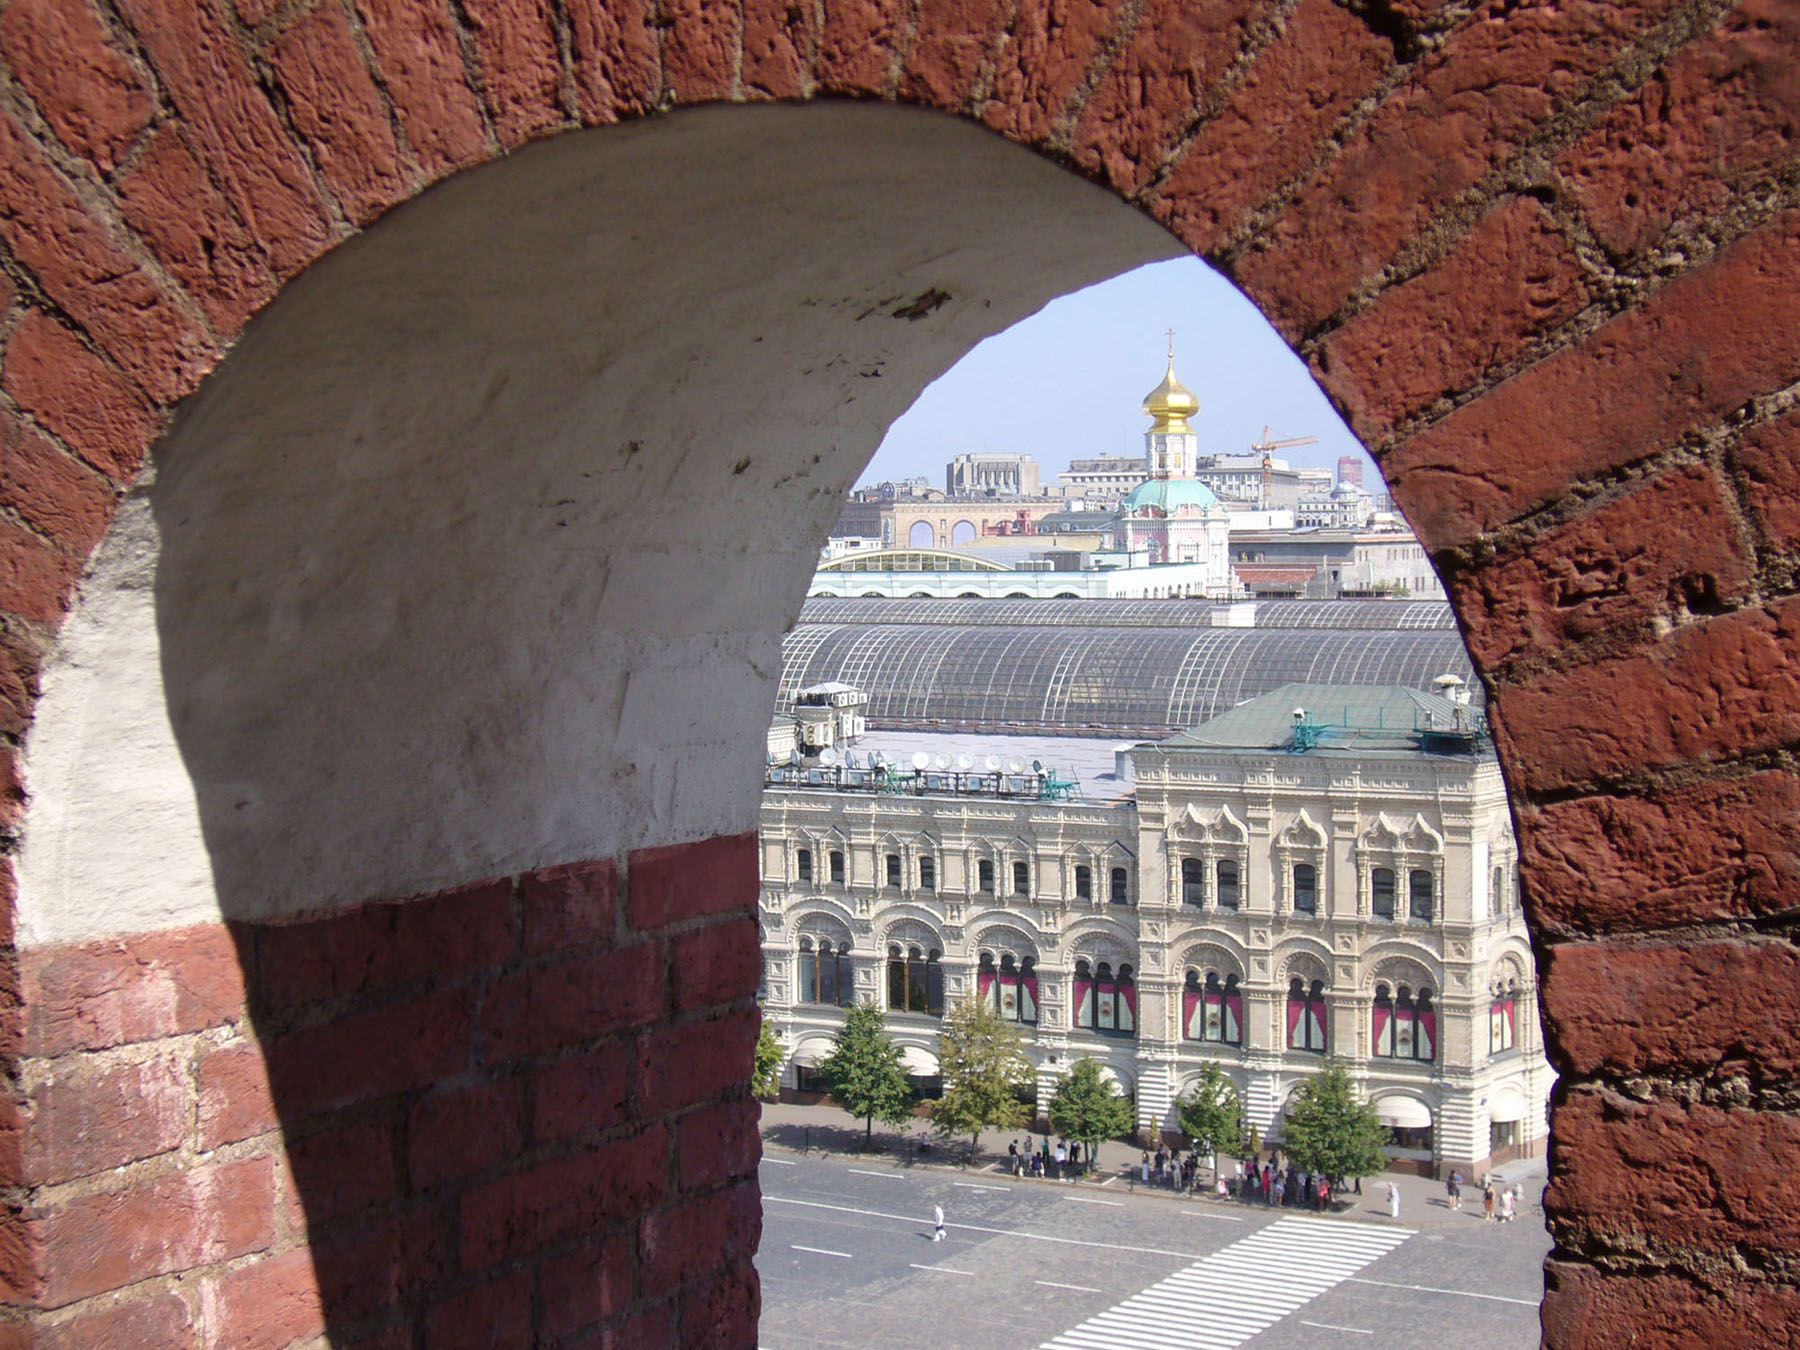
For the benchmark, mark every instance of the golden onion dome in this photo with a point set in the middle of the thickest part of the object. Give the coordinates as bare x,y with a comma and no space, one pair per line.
1171,403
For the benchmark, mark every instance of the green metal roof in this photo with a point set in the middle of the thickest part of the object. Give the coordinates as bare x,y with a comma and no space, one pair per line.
1169,494
1354,718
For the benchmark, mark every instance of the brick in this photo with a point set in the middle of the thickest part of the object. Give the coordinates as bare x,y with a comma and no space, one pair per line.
491,1314
1700,853
1423,340
113,1238
717,964
230,122
50,489
86,1118
1273,123
719,1143
617,71
581,1094
1723,1006
333,102
1716,689
20,662
236,1101
691,881
36,577
1769,459
859,41
266,1304
1723,113
695,1062
119,991
689,1240
700,50
388,1262
1178,52
572,1002
168,199
383,1051
161,1320
952,41
76,395
776,37
1039,70
462,1132
1669,548
422,69
521,69
341,1172
650,1329
585,1286
1462,112
574,905
571,1196
1689,1176
84,85
442,938
1590,1309
722,1311
1695,351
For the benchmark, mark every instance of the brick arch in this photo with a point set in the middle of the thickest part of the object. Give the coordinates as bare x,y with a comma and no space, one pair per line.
1546,263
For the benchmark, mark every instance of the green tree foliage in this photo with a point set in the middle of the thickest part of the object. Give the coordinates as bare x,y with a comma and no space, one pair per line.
982,1059
1087,1106
1210,1112
1331,1129
765,1077
864,1071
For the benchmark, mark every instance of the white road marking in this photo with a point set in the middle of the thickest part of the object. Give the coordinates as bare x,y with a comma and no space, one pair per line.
941,1270
780,1162
893,1176
820,1251
1208,1214
1078,1288
1110,1204
971,1186
1459,1293
979,1228
1327,1326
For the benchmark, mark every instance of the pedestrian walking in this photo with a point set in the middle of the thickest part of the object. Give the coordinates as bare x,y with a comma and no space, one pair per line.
937,1219
1393,1201
1454,1187
1487,1199
1506,1206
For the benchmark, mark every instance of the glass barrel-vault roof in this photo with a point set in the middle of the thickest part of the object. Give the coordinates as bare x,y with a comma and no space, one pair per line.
1385,614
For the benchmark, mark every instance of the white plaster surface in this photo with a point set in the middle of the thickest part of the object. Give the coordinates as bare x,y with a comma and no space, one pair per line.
475,554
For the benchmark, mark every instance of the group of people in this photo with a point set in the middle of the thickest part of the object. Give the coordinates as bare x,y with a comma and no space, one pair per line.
1292,1188
1499,1204
1064,1161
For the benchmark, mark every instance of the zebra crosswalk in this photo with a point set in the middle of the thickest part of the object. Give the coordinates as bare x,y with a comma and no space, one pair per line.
1238,1291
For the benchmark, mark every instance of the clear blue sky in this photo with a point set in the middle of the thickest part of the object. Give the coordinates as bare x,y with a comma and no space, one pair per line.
1066,383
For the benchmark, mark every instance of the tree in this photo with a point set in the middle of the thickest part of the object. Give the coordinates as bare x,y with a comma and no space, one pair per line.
765,1076
1210,1113
982,1060
864,1071
1331,1129
1087,1106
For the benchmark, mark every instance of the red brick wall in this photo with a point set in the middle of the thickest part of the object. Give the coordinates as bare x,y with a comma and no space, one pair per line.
513,1110
1546,257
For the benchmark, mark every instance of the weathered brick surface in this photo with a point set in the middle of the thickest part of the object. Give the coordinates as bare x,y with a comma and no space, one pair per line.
387,1049
1723,113
74,394
236,1101
1692,353
70,64
463,1132
717,1143
576,905
1588,1309
90,1119
722,1309
581,1094
1769,458
342,1172
700,50
1718,1006
422,70
686,1241
1669,547
267,1304
572,1002
857,46
1700,853
694,1062
616,64
588,1285
119,991
692,881
1717,689
717,964
495,1313
1271,125
161,1320
335,105
391,1261
51,490
1048,51
1424,340
521,70
953,40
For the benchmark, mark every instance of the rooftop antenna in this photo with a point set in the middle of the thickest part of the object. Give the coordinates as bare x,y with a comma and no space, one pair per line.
828,757
992,764
964,763
921,761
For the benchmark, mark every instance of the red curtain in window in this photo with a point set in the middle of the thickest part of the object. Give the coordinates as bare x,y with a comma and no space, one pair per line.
1028,997
1384,1027
1296,1016
1084,1002
1127,1005
985,991
1234,1016
1426,1045
1191,1025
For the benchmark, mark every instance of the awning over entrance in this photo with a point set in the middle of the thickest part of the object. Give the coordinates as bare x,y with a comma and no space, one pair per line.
919,1063
1403,1112
1508,1104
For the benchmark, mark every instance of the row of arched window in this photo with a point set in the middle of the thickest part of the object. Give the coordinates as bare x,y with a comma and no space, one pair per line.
1228,888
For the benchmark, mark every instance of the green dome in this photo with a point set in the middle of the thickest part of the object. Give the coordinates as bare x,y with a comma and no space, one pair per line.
1168,495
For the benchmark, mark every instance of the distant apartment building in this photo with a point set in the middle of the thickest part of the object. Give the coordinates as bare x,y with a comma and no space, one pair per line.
1384,561
992,475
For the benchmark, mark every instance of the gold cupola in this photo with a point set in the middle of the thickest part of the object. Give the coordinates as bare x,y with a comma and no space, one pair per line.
1170,404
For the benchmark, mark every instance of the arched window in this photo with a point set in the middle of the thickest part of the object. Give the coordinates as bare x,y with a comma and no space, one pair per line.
1307,1017
1193,881
1503,1020
1404,1027
893,870
1119,893
1418,893
1105,1001
1228,883
927,874
803,864
1213,1011
1021,878
1009,991
1381,892
837,868
1499,891
915,980
1084,882
984,876
1306,888
825,974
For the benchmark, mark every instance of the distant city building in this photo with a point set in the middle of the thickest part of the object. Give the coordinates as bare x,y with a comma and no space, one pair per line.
1238,479
1105,478
1013,569
1385,560
987,475
1344,507
1172,514
1350,470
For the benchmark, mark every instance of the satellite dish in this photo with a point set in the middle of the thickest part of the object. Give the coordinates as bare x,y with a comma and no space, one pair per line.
1036,767
1014,766
964,763
993,764
941,763
921,760
828,757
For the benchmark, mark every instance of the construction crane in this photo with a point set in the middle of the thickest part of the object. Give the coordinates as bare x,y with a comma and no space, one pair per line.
1268,464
